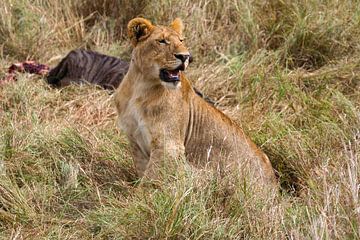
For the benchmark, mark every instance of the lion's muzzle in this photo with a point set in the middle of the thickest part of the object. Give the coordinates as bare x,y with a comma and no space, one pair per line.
183,57
173,75
170,75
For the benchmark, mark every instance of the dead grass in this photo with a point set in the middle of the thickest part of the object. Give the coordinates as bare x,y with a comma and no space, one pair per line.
287,71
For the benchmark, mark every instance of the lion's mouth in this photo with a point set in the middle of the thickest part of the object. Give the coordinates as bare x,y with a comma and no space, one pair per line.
167,75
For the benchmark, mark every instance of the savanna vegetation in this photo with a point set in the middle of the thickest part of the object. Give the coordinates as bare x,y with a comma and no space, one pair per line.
287,71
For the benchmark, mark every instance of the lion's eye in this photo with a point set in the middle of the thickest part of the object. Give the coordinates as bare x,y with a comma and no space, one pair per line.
181,39
162,41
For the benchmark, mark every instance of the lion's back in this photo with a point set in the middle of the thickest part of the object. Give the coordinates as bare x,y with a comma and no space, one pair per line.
213,139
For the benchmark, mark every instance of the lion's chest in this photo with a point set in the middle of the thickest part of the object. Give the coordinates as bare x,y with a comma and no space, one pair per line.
132,122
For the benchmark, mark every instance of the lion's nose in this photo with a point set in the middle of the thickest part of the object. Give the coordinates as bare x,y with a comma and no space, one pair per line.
182,57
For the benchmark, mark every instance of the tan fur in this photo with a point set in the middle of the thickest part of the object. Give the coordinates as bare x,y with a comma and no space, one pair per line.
177,25
139,26
165,122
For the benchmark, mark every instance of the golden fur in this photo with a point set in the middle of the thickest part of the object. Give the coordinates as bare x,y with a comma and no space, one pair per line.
165,120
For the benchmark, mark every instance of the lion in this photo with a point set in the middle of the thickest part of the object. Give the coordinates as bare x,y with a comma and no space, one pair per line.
164,119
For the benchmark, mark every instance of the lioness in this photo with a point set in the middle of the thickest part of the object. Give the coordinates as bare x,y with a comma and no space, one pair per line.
164,119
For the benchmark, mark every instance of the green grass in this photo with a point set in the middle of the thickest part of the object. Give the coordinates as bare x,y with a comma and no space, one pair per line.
288,72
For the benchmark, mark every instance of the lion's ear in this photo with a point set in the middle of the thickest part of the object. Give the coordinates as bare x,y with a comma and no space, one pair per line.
177,25
139,29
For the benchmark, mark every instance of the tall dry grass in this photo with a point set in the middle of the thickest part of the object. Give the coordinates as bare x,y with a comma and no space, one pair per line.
287,71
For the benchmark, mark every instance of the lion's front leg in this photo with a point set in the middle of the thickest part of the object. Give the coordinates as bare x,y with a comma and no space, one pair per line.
139,158
165,158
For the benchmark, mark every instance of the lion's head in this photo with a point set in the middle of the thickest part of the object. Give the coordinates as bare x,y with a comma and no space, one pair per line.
159,51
